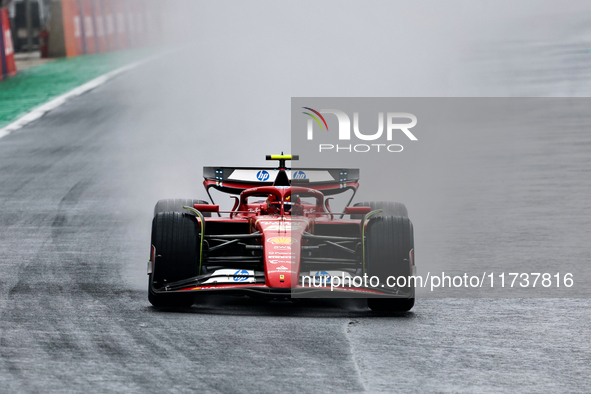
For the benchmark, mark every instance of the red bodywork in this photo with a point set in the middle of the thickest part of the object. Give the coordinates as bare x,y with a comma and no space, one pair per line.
285,228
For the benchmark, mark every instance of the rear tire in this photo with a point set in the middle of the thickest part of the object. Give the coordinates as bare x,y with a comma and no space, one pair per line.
389,243
388,208
175,237
177,204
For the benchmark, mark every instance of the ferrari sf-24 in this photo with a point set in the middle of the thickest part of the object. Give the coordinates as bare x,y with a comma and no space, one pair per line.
281,240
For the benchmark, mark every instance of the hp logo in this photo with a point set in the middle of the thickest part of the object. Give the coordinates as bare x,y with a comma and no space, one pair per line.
240,276
322,276
299,175
262,175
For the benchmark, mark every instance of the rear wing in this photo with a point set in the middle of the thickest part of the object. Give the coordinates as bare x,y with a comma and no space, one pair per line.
234,180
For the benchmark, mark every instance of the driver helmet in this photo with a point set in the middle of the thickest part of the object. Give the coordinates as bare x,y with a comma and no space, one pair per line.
273,205
287,205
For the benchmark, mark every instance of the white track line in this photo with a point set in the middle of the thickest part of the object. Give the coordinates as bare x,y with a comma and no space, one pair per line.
56,102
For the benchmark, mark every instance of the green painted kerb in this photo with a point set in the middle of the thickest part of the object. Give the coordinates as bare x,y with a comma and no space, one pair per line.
38,85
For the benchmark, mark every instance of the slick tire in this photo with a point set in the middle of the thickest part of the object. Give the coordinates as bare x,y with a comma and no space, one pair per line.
388,208
175,237
389,243
177,204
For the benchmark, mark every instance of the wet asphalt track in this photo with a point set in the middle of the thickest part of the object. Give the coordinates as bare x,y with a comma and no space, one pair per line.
77,190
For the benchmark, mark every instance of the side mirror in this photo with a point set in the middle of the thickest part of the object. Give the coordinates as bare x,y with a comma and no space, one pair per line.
357,210
206,208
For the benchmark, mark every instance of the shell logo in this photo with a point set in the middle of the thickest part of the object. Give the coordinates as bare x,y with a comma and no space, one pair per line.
282,240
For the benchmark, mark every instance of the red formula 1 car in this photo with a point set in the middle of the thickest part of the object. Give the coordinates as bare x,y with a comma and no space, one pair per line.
282,240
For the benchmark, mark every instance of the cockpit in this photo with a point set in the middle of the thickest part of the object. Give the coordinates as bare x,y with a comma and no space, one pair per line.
294,201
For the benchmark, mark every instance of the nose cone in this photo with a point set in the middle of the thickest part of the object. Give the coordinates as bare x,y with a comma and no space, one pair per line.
282,242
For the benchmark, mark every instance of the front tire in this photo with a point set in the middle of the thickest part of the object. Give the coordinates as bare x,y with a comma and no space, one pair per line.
175,237
390,252
177,204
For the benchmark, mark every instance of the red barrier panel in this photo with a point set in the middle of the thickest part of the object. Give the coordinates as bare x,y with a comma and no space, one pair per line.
88,26
98,26
110,30
120,23
2,48
7,64
72,28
